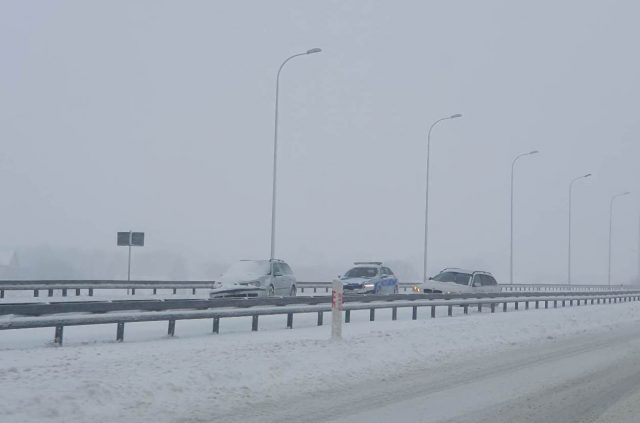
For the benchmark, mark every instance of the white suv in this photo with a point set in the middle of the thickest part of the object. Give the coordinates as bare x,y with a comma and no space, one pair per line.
255,278
459,281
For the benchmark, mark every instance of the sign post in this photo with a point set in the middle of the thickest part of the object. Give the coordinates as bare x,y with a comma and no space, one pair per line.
130,239
336,310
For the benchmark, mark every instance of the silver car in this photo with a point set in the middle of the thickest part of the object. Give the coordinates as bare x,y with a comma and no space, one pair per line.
255,278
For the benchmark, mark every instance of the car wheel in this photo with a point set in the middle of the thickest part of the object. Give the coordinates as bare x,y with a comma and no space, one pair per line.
271,291
292,293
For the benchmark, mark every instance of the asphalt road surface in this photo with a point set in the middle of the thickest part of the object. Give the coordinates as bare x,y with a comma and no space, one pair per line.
588,378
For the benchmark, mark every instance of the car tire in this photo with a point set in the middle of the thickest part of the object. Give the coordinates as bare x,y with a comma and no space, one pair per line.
271,291
293,291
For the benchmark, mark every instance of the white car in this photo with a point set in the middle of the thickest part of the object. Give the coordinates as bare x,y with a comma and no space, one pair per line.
255,278
459,281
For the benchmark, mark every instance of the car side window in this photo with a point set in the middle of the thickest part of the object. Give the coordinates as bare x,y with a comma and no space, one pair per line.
477,281
277,269
490,280
388,271
385,271
285,269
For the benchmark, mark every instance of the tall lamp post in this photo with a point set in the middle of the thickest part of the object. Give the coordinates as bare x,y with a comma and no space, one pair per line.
513,165
611,228
426,207
569,249
275,151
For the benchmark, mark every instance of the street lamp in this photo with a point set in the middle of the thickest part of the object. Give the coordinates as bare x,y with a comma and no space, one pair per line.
426,207
275,151
513,164
569,255
611,227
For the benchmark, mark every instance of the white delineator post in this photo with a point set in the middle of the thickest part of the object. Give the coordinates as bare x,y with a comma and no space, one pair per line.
336,309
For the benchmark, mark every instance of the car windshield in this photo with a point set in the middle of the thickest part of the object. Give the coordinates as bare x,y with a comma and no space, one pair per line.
245,270
362,272
455,277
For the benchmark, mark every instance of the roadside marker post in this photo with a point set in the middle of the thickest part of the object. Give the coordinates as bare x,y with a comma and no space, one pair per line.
336,310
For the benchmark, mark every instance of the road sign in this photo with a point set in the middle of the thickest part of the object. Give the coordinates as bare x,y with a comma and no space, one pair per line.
133,239
130,239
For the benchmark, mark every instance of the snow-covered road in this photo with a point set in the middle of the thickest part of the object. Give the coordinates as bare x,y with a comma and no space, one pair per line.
564,365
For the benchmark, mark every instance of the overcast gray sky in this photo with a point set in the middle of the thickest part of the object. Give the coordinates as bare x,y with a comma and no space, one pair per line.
158,116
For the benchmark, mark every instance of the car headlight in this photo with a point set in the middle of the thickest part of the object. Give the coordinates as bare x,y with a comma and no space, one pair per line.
417,289
255,283
368,285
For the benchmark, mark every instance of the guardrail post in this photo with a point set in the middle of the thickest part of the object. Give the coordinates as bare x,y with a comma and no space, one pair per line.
537,304
516,305
77,292
91,292
372,314
57,337
526,305
479,307
347,316
433,312
289,320
64,292
155,291
570,303
174,291
394,313
504,307
563,303
466,309
133,291
592,301
254,323
216,325
326,289
120,332
194,291
314,290
449,310
320,317
36,293
493,307
1,293
51,292
414,313
172,328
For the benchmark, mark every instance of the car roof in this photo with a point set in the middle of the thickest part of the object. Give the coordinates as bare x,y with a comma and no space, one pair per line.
264,260
457,269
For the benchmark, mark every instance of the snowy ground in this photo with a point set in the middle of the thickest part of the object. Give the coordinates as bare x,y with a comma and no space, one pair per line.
480,367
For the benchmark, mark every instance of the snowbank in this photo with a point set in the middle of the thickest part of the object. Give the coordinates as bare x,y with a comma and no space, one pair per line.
198,378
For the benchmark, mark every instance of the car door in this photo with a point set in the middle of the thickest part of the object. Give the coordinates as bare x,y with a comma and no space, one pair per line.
277,278
288,280
390,280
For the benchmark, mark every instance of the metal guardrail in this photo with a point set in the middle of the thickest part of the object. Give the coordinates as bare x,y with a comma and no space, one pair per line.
90,285
59,322
64,286
53,307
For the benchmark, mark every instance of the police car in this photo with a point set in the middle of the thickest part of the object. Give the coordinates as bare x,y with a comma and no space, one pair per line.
369,277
